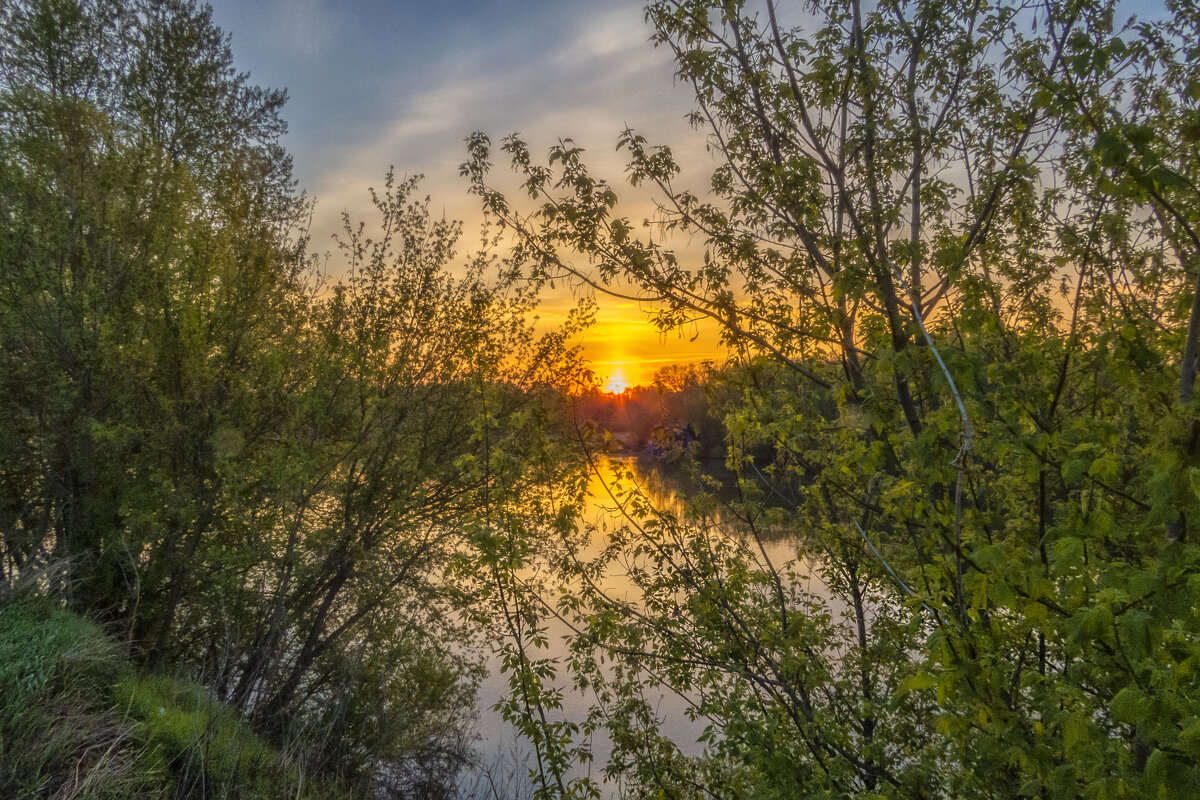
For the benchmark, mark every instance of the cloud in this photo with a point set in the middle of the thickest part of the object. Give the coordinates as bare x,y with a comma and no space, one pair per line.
426,137
608,32
592,72
599,74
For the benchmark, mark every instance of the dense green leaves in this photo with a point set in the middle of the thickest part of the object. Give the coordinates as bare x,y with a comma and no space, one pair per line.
251,473
917,205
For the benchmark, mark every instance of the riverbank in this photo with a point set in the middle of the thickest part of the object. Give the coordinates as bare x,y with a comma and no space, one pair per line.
78,721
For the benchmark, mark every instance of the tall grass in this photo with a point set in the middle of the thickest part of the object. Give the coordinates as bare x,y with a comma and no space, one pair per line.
78,723
58,735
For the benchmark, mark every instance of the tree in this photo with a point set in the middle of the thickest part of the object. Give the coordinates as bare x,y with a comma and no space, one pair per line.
145,201
416,410
966,232
249,473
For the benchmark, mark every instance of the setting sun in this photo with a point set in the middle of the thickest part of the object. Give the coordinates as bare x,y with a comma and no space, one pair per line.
616,382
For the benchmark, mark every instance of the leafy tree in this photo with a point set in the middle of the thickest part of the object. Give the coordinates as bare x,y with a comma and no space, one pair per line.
416,414
250,474
966,233
140,253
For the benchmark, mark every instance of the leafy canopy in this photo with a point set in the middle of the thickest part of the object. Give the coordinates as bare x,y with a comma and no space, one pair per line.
954,248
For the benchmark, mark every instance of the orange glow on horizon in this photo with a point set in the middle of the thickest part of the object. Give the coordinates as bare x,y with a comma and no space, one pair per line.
625,349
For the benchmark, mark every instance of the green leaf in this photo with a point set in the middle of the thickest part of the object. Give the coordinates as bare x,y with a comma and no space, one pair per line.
1129,706
916,683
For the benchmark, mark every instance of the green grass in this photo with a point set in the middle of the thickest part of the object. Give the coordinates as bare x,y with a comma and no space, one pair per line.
202,742
57,735
77,722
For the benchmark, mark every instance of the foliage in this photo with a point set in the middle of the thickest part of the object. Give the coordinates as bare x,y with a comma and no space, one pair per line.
79,722
955,247
256,476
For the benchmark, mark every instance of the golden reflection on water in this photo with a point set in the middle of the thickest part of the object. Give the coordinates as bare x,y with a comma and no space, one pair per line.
609,508
669,489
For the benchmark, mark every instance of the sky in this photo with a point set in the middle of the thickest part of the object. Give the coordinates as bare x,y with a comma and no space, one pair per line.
373,84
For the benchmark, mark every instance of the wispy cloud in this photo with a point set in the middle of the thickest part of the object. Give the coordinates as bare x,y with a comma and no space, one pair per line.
404,82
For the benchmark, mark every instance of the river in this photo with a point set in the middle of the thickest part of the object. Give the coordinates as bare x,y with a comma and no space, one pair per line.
504,758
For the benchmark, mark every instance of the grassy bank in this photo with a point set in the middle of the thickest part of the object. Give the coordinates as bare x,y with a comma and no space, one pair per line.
77,721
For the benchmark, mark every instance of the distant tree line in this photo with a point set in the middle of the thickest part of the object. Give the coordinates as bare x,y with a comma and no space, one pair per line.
677,403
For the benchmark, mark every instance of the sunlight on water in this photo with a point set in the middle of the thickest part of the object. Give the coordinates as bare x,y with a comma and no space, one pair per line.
501,752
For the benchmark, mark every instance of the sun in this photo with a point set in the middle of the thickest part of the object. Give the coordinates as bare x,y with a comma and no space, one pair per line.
616,382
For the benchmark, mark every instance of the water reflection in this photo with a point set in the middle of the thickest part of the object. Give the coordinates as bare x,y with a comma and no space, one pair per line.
501,750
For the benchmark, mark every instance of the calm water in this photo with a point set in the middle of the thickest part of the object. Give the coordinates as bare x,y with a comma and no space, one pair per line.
501,751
